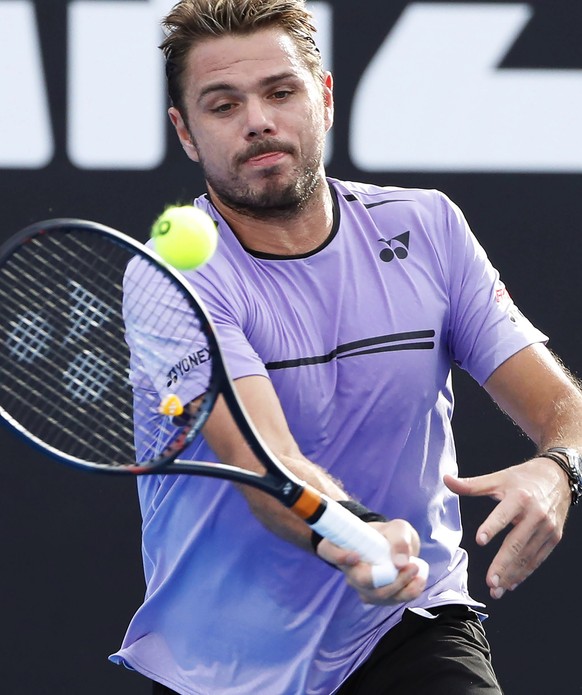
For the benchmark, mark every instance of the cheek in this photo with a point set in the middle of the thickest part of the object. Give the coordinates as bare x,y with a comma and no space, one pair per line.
213,141
319,124
320,115
213,157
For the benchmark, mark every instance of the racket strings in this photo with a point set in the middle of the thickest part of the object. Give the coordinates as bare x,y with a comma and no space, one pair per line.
170,344
32,335
73,301
57,367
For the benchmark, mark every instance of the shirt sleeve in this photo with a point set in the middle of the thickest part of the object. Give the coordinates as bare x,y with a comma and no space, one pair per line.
224,293
170,351
485,327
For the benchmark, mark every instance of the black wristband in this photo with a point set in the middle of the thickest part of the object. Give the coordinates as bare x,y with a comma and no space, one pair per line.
361,511
356,509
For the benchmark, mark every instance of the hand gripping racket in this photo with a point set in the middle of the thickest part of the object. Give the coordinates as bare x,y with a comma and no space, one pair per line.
86,312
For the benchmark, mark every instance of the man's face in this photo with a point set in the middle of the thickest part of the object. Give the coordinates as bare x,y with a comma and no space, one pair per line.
255,118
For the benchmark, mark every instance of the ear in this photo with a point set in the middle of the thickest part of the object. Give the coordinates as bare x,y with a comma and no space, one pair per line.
328,99
183,133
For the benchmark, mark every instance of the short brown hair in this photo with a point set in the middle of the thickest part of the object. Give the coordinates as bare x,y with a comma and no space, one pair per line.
191,21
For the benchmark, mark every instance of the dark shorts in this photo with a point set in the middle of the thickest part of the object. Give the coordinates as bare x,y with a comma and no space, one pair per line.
444,655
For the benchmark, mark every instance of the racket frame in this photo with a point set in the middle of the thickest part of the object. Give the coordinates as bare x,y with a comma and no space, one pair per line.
281,483
323,514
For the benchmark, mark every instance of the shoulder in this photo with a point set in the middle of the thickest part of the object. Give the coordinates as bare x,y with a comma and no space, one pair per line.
430,210
369,196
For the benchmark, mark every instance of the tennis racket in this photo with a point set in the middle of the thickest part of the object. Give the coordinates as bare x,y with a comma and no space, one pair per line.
86,312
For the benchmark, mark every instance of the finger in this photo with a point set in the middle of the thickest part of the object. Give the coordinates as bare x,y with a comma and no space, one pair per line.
522,552
474,487
412,589
409,582
504,514
542,554
408,585
335,555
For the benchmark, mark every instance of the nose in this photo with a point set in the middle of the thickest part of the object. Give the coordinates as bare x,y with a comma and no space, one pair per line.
259,119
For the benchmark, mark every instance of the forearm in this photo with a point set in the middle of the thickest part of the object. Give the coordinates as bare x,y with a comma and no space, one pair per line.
223,436
563,424
541,397
280,520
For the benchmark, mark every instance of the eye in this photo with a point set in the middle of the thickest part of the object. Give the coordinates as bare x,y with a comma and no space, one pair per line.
282,94
222,108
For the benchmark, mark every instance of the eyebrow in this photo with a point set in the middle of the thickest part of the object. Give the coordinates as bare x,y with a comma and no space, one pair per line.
227,87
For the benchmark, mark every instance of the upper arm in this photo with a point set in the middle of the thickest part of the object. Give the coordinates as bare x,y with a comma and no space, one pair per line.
538,394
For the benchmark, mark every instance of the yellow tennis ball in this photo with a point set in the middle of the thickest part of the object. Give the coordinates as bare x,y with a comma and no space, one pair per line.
185,236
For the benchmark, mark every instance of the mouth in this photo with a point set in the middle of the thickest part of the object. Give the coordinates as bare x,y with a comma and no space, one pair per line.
267,159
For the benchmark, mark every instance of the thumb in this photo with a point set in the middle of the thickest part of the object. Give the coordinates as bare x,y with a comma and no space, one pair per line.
458,485
472,487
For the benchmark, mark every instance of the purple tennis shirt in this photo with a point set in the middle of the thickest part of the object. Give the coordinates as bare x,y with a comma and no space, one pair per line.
357,338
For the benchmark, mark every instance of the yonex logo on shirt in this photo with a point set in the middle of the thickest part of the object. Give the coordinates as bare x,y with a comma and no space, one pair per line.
187,364
396,247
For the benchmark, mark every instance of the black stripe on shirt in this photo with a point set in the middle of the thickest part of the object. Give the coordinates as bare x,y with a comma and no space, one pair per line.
411,340
350,198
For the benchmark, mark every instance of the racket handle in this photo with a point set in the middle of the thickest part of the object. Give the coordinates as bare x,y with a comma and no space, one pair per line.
347,531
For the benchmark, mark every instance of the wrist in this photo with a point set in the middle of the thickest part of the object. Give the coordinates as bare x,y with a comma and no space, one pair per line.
570,461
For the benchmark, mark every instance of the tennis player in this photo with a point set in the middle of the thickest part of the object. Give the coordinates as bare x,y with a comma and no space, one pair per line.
340,307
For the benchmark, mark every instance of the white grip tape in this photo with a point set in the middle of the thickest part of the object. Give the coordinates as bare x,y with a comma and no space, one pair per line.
386,573
383,574
347,531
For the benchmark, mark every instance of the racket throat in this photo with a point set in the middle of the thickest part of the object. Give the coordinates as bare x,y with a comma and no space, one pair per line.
309,504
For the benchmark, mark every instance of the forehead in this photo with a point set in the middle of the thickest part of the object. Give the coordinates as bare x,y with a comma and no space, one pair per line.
239,61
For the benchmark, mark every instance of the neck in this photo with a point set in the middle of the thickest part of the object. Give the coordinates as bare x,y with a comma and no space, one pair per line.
292,235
